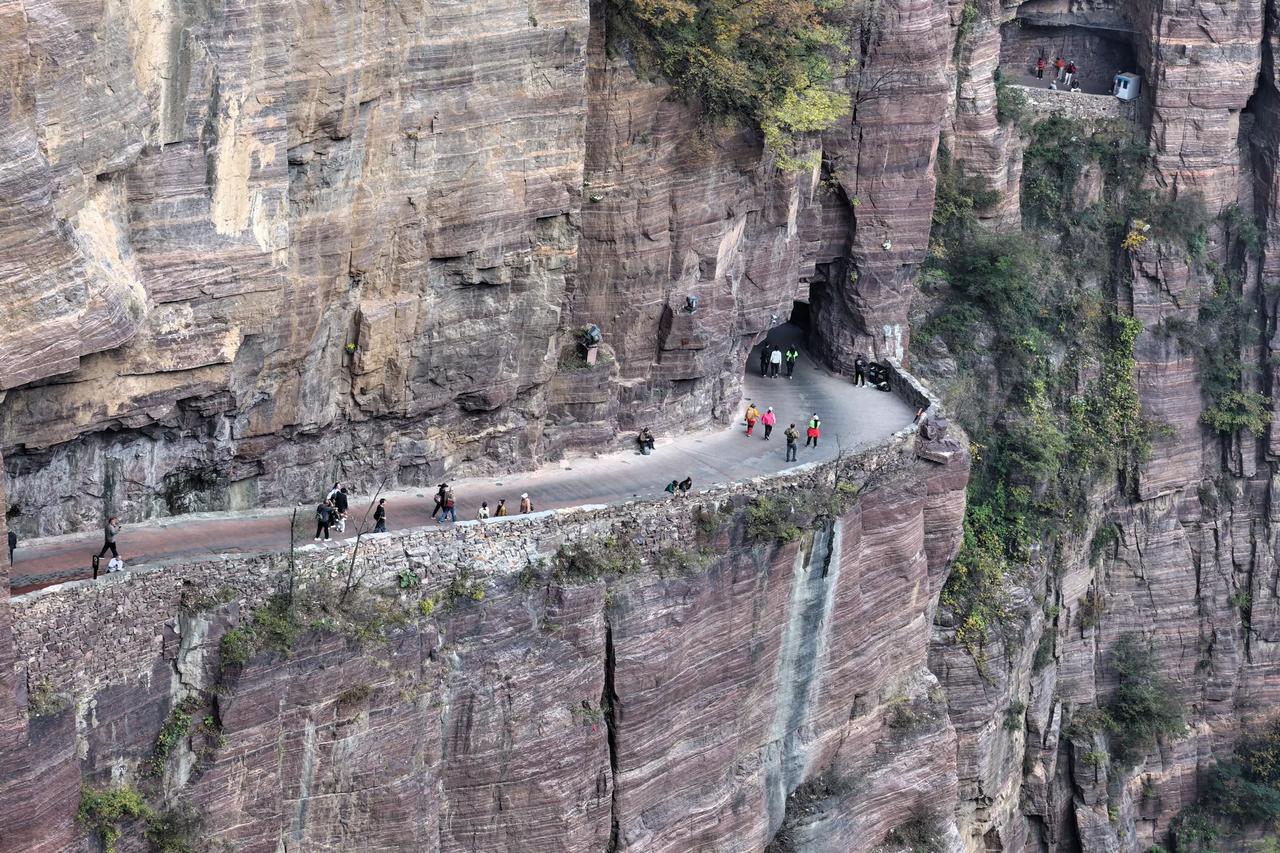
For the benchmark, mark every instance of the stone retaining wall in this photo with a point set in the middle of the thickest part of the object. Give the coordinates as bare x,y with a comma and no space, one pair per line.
1078,106
81,636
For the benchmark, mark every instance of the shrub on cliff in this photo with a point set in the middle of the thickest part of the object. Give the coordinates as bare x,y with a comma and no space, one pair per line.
769,520
772,63
1236,795
1146,706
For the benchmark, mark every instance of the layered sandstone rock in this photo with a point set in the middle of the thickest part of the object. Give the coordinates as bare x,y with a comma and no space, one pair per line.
708,700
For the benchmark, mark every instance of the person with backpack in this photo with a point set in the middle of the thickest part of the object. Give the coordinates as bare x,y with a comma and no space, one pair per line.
380,517
791,355
768,419
447,507
752,415
526,505
814,431
324,518
792,438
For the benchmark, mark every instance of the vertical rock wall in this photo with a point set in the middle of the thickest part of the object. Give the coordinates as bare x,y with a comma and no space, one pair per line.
716,697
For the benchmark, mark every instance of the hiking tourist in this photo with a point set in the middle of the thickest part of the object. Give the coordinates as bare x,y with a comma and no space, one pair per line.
324,518
340,507
1072,70
768,419
791,356
814,431
484,510
526,505
645,440
1059,67
1040,66
775,362
380,517
440,490
792,438
108,537
13,544
671,487
447,508
501,509
685,485
752,415
859,370
765,352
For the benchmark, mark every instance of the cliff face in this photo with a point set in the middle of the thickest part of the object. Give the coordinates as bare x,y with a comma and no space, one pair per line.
726,686
1187,557
201,207
208,208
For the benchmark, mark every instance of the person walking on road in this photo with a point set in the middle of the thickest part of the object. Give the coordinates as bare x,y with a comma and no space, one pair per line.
324,518
859,370
768,419
380,517
484,510
340,508
814,431
108,538
792,438
791,355
440,490
13,545
447,508
501,509
765,352
775,362
526,505
752,415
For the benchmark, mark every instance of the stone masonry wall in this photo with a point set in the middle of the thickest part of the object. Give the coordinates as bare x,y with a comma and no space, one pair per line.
702,703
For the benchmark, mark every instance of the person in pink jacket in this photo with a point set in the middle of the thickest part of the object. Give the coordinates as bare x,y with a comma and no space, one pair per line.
768,419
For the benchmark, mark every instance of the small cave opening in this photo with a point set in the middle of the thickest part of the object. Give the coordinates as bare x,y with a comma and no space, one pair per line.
800,317
1098,43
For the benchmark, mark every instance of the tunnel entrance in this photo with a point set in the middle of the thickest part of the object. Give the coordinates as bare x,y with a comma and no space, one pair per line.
1100,45
800,317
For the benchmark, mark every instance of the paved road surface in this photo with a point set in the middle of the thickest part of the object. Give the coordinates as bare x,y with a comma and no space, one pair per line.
853,418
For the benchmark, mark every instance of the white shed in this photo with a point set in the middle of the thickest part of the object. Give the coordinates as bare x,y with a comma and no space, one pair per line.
1126,86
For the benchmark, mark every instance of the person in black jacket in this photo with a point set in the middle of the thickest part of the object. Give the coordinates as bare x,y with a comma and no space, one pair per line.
13,543
324,518
380,517
340,509
859,370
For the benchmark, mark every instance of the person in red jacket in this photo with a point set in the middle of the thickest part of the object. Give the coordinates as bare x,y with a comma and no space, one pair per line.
1059,65
1041,64
768,419
814,431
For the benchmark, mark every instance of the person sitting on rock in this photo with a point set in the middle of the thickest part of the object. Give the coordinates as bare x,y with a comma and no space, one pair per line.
645,440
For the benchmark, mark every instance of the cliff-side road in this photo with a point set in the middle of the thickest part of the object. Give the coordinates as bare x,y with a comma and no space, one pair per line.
853,418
